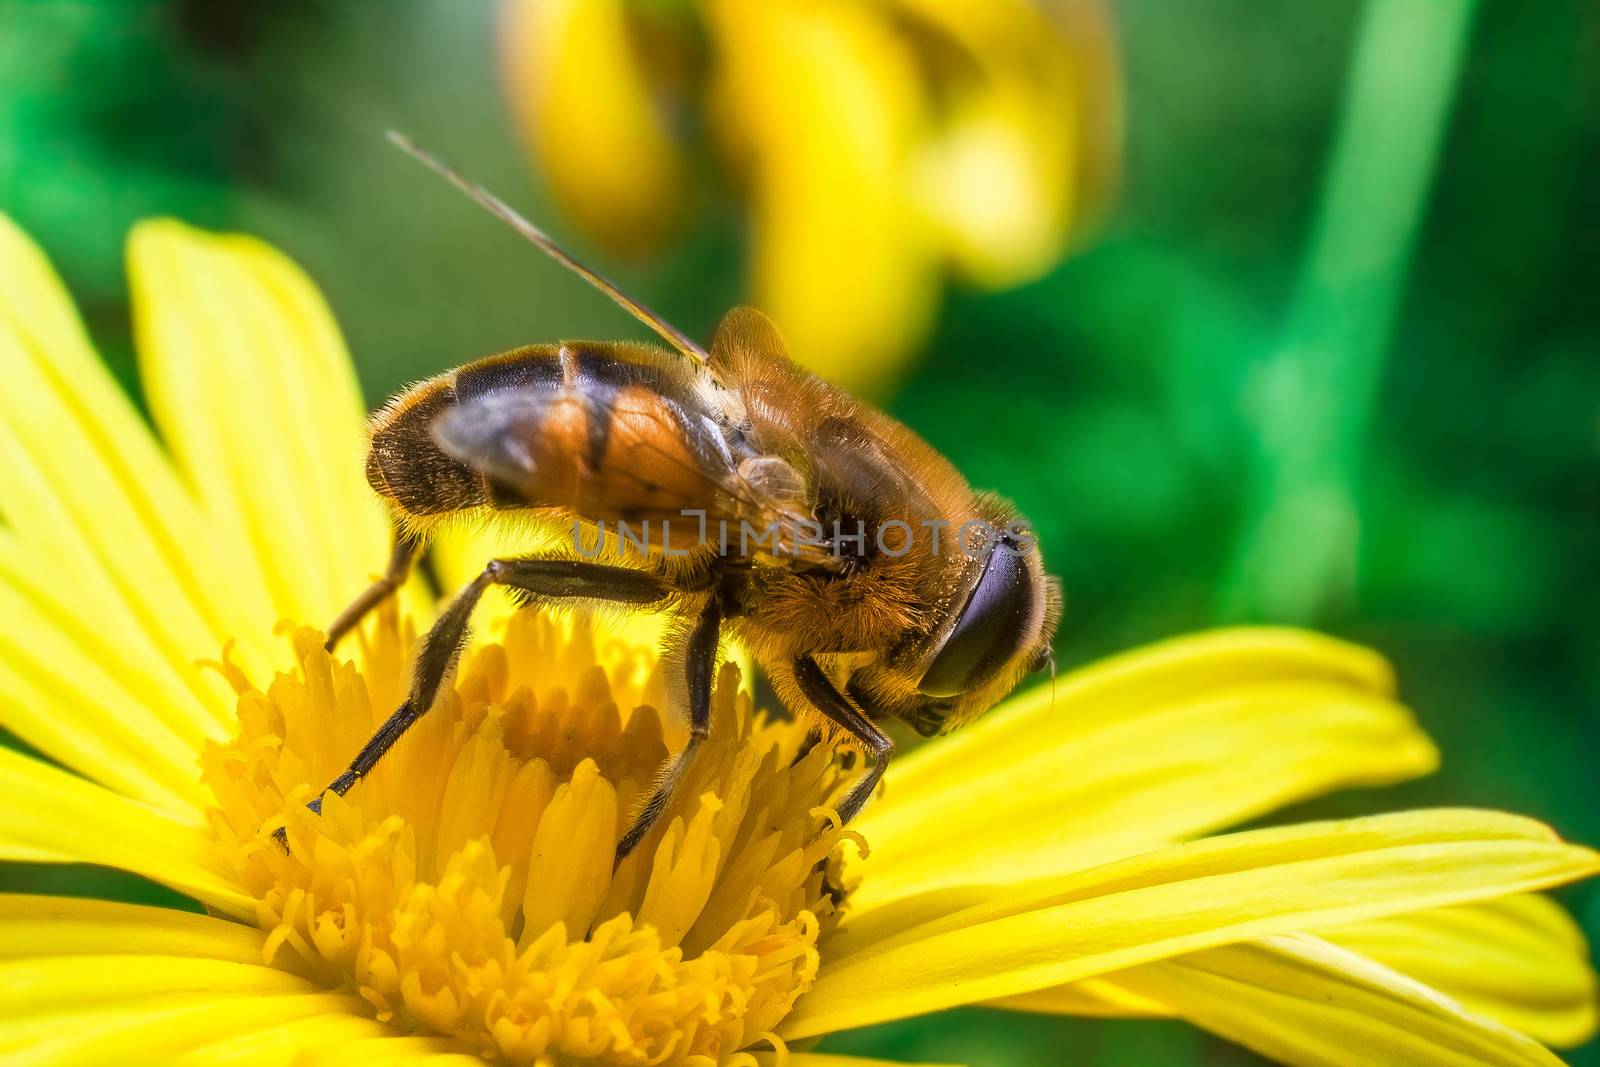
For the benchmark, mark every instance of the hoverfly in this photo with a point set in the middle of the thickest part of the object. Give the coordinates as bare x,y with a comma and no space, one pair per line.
863,574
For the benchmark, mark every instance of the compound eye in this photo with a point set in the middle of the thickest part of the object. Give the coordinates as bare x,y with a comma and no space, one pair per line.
992,628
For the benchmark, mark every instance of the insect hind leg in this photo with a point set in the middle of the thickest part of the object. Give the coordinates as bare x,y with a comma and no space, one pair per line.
700,663
394,575
538,579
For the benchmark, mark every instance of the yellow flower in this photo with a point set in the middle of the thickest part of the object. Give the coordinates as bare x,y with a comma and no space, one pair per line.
875,142
1054,857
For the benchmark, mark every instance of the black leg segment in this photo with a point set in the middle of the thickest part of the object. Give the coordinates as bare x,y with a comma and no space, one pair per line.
394,576
819,689
537,579
700,663
371,752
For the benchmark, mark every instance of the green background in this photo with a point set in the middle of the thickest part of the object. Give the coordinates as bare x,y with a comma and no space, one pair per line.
1333,359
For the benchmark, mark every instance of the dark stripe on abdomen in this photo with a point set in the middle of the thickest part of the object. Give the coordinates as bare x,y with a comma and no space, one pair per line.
405,465
531,366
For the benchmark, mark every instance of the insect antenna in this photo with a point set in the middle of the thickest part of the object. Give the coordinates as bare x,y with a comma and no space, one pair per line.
1052,657
498,208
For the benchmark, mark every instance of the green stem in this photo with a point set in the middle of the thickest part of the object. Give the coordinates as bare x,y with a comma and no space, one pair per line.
1313,394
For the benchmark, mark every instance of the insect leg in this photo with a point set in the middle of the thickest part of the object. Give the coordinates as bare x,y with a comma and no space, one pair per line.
816,686
538,579
394,575
700,662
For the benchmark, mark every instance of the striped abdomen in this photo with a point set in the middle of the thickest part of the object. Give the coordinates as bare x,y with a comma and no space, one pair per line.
605,431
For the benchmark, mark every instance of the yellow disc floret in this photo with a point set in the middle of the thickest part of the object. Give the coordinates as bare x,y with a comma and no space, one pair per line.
467,886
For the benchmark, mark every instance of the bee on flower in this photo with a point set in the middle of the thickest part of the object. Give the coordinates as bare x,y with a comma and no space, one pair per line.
1067,854
877,146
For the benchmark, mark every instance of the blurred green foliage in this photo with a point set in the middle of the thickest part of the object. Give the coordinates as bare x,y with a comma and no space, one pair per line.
1119,401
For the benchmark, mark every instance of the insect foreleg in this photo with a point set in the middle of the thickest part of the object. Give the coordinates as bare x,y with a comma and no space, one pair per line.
394,575
539,579
817,688
700,662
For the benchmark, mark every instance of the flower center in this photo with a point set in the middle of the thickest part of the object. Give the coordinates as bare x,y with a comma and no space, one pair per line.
466,886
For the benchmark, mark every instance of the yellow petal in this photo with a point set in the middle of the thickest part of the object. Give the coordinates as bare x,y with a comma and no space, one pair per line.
1119,788
68,694
1096,998
1520,960
277,1043
161,1028
585,103
249,381
418,1051
73,926
1128,685
95,508
997,184
57,941
821,102
92,1009
50,816
1304,1002
1088,29
997,174
1178,900
33,986
1133,753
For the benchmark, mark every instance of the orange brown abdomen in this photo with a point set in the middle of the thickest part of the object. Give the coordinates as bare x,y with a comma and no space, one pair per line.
608,432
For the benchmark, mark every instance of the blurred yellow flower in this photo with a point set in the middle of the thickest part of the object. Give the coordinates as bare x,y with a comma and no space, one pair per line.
876,143
1062,855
